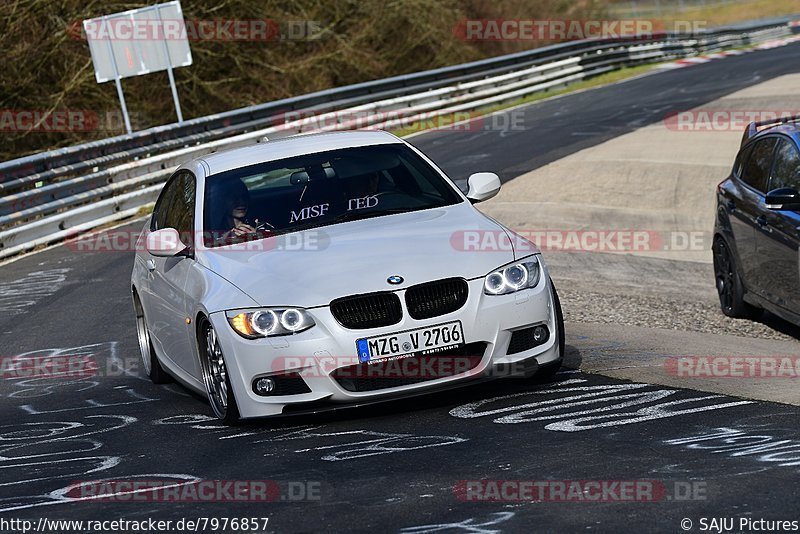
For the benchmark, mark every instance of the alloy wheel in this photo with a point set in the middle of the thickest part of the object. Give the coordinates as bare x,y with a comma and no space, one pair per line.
215,374
724,273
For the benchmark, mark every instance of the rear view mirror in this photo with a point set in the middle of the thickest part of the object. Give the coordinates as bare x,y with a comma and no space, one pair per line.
165,243
299,178
784,198
482,186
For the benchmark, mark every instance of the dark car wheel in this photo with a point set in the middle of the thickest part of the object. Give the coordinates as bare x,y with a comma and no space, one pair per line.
729,284
152,367
215,376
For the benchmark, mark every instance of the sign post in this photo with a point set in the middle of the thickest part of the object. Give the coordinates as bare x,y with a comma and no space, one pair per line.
169,73
136,42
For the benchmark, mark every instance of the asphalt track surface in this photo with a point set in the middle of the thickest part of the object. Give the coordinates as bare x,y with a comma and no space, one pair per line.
397,466
562,126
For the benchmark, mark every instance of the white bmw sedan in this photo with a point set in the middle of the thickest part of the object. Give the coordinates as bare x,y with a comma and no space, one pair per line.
313,271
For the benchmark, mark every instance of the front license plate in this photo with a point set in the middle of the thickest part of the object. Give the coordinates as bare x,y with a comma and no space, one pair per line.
424,340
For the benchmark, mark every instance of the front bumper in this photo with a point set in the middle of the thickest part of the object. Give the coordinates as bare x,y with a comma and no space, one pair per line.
315,355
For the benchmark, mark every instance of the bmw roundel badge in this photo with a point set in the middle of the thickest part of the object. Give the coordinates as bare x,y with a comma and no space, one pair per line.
395,279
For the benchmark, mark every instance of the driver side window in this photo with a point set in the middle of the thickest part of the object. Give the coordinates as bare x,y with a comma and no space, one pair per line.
756,170
159,220
175,207
786,169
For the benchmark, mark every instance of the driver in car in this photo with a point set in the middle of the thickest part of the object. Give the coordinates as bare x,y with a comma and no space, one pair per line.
233,223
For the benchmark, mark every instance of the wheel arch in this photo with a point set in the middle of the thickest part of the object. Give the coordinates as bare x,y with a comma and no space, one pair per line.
200,318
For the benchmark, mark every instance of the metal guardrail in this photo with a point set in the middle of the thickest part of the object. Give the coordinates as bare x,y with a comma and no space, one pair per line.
53,195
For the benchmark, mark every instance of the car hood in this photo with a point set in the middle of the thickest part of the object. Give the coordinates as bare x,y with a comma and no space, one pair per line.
313,267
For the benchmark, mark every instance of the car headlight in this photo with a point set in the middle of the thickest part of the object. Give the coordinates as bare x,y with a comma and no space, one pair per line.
266,322
514,277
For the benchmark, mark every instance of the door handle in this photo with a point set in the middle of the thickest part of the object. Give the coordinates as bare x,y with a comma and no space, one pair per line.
151,265
762,222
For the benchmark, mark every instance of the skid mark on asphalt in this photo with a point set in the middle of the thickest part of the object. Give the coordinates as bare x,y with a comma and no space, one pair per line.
45,454
468,525
55,452
70,494
18,295
588,407
735,443
52,451
332,446
42,373
375,444
130,396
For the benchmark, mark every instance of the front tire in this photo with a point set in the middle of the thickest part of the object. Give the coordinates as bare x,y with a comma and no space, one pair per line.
730,288
215,376
152,367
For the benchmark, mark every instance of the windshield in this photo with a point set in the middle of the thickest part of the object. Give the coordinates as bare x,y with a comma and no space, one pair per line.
319,189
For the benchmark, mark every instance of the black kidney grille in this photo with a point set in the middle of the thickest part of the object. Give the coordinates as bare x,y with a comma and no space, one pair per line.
432,299
371,310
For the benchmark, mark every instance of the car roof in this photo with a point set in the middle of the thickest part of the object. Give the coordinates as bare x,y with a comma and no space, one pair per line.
287,147
790,129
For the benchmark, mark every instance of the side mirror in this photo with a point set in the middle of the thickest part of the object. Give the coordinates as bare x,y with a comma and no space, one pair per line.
784,198
482,186
164,243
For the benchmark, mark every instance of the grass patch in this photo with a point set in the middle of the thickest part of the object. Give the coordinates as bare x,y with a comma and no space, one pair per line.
713,13
732,13
145,210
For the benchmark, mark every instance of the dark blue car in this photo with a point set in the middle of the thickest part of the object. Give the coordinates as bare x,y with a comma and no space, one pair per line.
757,228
